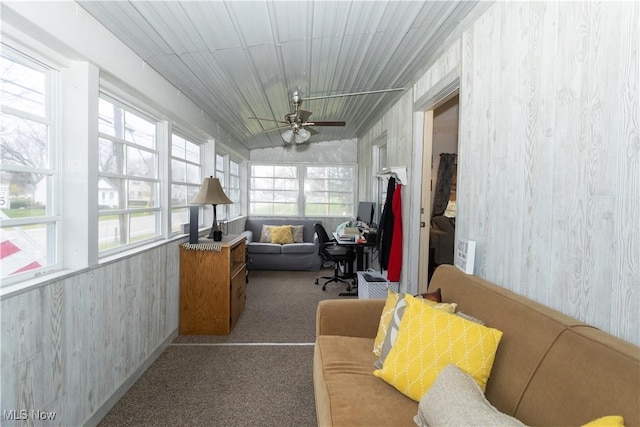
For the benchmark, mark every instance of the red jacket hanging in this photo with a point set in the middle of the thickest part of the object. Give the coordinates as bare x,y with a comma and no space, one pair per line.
395,257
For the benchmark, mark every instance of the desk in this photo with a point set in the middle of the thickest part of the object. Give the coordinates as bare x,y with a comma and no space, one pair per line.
359,247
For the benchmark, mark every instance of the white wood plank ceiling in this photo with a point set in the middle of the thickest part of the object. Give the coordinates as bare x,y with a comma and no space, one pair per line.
241,59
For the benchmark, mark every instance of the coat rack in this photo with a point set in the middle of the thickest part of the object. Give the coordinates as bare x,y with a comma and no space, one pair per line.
398,172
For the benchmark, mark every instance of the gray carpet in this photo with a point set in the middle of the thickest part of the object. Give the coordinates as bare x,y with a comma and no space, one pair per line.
259,375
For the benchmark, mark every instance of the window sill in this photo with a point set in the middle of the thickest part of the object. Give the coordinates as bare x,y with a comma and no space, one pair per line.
28,285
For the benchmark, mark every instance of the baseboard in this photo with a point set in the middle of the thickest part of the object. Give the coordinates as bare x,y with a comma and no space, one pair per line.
117,395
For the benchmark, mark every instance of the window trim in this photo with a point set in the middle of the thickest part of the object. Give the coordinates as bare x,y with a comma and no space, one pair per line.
178,132
301,175
50,171
160,154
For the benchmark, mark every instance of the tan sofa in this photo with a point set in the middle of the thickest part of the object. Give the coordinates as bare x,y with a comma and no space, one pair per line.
549,370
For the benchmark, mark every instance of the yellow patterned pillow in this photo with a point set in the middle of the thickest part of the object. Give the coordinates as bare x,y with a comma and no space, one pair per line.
430,339
281,234
387,313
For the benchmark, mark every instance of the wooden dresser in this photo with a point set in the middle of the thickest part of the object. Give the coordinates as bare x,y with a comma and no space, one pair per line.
212,286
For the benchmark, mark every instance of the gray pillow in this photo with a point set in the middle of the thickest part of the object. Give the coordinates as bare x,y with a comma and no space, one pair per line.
392,330
298,233
455,399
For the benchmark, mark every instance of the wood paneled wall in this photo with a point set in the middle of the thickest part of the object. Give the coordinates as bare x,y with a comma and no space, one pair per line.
549,181
549,154
70,345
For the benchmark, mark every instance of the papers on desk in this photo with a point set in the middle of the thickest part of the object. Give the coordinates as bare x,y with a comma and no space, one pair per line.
345,238
351,231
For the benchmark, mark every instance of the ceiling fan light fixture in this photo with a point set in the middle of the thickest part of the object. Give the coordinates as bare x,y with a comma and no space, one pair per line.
302,136
297,136
287,135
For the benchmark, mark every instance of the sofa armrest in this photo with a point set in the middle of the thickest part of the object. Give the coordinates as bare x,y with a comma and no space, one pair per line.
349,317
247,234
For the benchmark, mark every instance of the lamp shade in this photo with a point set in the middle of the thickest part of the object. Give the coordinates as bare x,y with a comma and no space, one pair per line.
211,193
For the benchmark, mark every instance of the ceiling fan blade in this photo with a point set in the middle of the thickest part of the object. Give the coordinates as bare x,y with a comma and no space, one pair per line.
268,120
335,123
278,128
304,115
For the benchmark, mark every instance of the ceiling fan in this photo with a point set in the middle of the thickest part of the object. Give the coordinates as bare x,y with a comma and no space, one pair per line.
297,123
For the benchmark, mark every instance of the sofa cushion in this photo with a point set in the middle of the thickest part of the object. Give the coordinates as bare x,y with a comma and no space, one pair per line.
584,360
606,421
255,225
265,235
456,400
263,248
281,234
347,394
385,318
298,233
430,339
394,324
298,248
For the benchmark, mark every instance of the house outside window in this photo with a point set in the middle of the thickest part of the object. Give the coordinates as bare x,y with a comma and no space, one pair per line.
128,171
29,175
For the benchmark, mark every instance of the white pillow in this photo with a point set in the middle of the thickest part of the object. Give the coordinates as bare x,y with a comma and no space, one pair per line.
265,236
450,212
455,399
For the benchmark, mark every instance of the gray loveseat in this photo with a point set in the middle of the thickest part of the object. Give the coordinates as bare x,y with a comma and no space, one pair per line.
292,256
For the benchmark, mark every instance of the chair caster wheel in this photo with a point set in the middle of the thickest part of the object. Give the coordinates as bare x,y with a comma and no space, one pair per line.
316,281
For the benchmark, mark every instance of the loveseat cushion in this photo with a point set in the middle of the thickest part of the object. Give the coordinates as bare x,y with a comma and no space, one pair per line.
347,394
281,234
263,248
428,340
298,248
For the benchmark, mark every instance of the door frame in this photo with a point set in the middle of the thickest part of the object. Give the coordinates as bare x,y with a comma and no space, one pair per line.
439,93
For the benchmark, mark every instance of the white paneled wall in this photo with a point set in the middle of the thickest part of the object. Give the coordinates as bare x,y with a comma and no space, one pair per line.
550,162
549,154
70,346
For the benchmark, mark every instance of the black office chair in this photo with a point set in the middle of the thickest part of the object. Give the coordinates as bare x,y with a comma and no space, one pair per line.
339,255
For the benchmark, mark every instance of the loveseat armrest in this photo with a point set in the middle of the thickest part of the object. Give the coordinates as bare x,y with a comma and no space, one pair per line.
349,317
248,235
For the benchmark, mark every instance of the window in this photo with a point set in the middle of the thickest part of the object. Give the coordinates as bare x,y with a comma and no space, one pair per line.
274,190
129,211
186,178
233,189
328,191
29,183
277,190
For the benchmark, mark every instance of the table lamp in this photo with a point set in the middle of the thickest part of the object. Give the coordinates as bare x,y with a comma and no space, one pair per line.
211,193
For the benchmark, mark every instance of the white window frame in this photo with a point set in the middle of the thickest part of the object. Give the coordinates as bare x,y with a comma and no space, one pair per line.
156,181
233,189
52,219
192,187
301,172
222,168
332,194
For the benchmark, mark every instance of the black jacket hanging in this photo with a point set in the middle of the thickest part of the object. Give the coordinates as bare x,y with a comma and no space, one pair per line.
385,229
